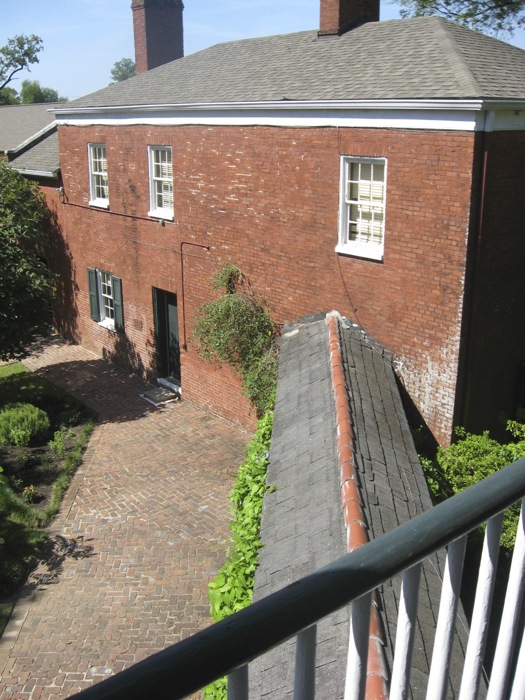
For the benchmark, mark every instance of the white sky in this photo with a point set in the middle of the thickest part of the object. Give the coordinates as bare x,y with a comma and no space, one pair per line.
83,38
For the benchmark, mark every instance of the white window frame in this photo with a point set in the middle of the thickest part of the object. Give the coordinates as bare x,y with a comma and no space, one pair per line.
163,181
361,246
105,300
98,176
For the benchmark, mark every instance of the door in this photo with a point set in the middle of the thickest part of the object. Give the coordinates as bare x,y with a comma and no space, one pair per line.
167,334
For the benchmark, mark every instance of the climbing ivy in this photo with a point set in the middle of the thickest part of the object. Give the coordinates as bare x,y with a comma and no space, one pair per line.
232,588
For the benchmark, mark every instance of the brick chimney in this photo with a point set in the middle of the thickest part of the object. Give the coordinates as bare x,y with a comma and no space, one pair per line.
338,16
157,25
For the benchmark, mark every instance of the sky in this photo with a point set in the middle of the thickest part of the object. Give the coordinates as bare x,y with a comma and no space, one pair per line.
84,38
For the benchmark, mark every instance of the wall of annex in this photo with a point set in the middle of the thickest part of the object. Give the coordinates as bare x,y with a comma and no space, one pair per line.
268,198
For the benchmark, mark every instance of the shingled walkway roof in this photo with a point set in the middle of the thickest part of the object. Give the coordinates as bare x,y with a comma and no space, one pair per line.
316,512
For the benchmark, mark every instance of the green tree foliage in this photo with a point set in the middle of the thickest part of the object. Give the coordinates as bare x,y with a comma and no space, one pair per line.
490,16
236,329
18,54
9,96
32,93
472,458
26,284
122,70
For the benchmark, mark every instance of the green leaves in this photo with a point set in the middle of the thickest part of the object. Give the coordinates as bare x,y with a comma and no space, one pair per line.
472,458
232,588
492,16
19,53
236,329
26,284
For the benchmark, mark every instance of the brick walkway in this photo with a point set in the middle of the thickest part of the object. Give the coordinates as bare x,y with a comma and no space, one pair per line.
141,532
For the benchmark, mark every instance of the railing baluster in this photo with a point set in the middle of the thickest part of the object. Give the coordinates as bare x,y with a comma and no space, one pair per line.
304,684
406,622
510,618
238,683
358,648
488,566
518,687
438,677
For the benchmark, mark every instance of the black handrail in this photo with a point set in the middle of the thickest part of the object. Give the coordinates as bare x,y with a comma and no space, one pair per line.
187,666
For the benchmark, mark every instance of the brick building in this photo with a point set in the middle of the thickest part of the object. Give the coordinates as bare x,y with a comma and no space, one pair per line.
371,167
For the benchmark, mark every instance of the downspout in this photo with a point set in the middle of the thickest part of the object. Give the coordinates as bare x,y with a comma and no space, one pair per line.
197,245
464,390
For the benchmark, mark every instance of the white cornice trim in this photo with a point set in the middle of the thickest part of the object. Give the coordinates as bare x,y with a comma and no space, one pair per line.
463,115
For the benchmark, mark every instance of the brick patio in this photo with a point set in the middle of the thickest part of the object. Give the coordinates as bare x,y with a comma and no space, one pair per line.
141,531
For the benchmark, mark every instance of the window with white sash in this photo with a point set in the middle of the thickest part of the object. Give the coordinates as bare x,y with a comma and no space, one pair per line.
161,182
105,299
362,207
98,175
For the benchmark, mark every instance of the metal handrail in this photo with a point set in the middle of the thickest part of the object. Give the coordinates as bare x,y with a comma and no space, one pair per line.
193,663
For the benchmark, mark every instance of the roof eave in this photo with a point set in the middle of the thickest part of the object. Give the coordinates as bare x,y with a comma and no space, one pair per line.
469,104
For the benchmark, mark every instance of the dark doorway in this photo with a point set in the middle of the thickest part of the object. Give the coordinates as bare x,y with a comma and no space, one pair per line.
167,334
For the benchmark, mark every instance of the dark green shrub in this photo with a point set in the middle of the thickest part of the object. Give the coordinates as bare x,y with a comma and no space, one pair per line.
260,382
236,329
472,458
22,424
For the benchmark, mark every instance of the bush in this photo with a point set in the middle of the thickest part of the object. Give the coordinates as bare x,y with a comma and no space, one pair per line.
260,382
22,424
472,458
236,329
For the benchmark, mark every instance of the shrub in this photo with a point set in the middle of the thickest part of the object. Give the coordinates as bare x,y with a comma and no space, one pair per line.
472,458
236,329
260,382
22,424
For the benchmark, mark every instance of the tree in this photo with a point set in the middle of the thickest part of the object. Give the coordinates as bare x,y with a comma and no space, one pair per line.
491,16
26,284
122,70
9,96
18,54
32,92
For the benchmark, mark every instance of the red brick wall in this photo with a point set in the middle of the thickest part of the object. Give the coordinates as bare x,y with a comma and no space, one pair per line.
336,14
268,198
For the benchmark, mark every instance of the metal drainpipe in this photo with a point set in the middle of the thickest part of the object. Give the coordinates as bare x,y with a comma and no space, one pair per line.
196,245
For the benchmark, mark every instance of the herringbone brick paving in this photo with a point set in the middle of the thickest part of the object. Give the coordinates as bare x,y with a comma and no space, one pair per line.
142,530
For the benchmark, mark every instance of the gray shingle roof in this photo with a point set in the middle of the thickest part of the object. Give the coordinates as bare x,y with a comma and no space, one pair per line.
20,122
419,58
302,522
42,156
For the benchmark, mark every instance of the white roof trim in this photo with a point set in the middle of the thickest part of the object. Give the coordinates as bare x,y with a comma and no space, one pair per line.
455,115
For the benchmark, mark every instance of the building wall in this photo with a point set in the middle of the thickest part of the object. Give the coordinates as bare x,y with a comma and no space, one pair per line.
495,350
268,198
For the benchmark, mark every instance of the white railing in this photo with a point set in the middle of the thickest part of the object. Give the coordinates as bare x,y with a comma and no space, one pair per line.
228,646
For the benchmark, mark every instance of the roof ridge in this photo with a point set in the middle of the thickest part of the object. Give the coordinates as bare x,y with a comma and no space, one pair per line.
465,77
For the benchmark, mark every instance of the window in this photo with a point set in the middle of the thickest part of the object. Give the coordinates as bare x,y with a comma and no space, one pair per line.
98,175
161,182
105,299
362,209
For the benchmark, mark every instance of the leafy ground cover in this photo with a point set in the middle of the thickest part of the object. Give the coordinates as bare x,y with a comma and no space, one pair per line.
231,590
40,450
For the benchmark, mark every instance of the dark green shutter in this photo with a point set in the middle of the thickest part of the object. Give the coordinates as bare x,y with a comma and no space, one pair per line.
116,285
93,294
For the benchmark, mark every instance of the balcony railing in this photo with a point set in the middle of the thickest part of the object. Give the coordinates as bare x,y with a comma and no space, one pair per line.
228,646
